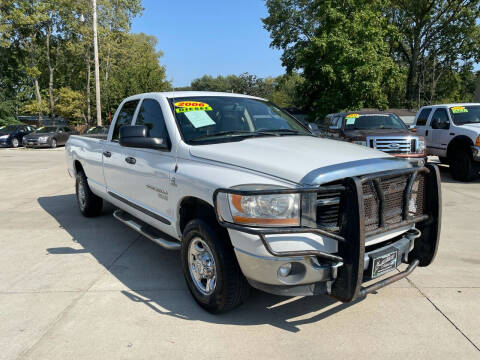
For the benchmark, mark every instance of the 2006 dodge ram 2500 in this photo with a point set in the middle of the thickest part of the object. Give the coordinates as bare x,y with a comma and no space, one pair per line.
251,197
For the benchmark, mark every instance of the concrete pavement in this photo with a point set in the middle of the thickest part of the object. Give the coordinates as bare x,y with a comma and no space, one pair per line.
79,288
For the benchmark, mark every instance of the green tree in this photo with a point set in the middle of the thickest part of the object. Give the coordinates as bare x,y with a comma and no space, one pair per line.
434,36
341,48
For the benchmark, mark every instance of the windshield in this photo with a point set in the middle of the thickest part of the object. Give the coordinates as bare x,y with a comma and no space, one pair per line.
10,127
462,115
223,118
373,121
46,129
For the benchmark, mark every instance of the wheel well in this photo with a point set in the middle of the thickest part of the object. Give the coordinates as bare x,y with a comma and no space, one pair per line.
195,208
460,142
77,166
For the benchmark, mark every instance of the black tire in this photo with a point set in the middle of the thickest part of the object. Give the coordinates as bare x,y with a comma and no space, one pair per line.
90,205
231,288
443,160
53,143
462,166
15,143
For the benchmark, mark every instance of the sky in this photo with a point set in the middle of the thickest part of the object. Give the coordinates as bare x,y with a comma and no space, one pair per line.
214,37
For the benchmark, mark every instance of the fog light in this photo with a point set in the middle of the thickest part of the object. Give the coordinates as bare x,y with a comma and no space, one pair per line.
421,163
284,270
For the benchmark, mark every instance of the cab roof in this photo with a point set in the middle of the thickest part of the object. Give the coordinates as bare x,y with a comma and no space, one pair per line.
183,94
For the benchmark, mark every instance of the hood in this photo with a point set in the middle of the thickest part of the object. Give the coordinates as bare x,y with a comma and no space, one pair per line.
378,132
474,127
300,159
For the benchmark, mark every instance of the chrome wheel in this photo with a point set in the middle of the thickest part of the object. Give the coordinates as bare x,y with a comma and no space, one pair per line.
201,264
82,197
15,142
54,144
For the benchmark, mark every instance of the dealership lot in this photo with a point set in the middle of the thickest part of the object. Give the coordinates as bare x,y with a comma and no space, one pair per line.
93,288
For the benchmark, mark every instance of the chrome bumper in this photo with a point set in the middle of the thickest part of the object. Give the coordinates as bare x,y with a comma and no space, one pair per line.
308,275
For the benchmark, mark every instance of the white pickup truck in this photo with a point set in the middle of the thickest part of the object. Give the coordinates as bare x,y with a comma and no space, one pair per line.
452,132
252,198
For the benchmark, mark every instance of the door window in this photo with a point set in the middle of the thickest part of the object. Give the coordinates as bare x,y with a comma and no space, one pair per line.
422,118
124,117
440,117
151,116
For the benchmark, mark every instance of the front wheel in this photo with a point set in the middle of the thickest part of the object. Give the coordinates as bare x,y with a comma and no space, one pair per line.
462,166
211,269
53,144
15,143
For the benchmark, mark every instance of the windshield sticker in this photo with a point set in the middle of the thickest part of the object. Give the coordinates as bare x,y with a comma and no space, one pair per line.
199,118
187,106
459,109
352,116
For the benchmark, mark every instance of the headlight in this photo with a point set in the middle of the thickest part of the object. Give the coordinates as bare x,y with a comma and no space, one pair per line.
43,139
259,210
4,137
357,142
421,146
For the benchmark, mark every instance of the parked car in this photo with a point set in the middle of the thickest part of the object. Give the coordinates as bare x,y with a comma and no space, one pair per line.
11,135
379,130
99,132
48,136
251,198
452,132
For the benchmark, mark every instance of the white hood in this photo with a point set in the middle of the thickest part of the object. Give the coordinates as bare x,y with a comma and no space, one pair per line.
301,159
473,127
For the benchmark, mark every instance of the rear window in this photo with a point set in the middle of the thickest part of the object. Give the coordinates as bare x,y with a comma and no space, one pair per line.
423,117
124,117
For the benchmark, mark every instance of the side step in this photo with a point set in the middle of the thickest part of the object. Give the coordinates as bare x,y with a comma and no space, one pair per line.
148,231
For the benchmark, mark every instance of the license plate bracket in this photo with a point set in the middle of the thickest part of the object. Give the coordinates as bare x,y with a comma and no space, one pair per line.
384,263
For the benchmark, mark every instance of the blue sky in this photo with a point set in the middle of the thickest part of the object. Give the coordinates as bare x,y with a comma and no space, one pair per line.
210,37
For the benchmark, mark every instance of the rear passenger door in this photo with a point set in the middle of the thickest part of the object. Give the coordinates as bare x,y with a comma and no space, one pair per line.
152,174
115,165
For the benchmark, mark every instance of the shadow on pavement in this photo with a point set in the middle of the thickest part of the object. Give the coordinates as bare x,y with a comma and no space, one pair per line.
153,275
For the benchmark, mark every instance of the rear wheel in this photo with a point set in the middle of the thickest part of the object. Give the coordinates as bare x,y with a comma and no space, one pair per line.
462,166
211,269
90,205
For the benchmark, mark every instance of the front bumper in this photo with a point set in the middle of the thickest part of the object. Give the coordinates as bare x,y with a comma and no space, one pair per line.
311,277
35,143
476,153
5,143
341,272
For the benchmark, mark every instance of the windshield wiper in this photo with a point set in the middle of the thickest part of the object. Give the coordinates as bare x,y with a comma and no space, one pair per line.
280,132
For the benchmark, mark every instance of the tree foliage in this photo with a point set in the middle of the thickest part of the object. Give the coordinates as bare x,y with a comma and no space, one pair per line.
377,53
48,48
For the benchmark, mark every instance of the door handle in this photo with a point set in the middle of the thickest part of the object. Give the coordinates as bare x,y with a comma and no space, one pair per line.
130,160
426,132
107,153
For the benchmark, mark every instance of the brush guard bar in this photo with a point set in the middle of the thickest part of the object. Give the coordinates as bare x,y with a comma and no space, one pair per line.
352,234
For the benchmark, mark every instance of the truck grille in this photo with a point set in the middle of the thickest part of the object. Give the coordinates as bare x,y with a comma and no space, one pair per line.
393,190
328,210
394,145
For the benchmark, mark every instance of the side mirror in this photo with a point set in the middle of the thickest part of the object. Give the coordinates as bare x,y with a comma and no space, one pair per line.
313,128
136,136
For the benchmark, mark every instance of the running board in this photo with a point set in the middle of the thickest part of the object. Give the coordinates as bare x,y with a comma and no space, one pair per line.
146,230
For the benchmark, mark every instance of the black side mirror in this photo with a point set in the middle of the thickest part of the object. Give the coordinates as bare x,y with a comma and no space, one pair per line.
136,136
